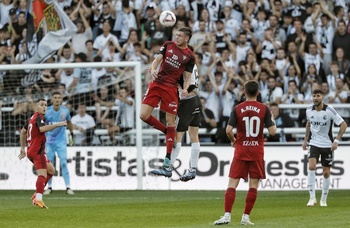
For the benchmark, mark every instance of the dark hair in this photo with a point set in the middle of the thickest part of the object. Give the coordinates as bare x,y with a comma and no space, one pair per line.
56,93
40,99
295,82
274,104
317,91
252,88
89,41
187,31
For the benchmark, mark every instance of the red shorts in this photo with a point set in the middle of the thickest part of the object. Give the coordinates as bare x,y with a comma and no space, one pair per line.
39,160
241,169
167,96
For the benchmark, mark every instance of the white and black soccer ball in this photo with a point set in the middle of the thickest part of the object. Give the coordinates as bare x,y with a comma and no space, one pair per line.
167,18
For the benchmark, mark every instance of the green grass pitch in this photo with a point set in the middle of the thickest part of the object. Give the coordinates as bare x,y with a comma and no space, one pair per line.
169,209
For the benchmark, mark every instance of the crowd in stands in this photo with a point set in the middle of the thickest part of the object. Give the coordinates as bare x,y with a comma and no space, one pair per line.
289,46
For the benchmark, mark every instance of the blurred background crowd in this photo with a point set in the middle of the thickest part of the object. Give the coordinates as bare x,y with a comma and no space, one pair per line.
289,46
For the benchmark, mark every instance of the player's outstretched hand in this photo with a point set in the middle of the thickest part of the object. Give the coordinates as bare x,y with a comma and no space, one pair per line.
233,143
22,154
334,146
304,145
63,123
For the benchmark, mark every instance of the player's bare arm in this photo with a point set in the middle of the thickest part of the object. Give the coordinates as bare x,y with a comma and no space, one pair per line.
307,135
187,82
155,64
272,129
23,142
230,135
46,128
342,130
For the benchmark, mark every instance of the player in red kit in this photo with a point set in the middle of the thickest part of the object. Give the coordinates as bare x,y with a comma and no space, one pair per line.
249,118
175,59
33,135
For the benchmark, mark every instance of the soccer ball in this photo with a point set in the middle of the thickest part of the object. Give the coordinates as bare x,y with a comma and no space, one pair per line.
167,18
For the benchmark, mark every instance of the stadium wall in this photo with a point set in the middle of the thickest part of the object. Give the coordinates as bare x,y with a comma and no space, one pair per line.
114,168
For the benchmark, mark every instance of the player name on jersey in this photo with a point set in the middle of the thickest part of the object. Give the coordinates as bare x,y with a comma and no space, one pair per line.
250,143
250,108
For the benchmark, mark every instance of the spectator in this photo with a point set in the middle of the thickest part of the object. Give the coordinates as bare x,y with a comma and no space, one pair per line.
90,53
211,95
282,120
297,10
274,92
125,119
81,86
340,97
207,120
182,15
309,77
101,41
242,47
343,63
85,124
96,74
198,38
314,56
334,74
138,55
268,47
5,7
324,35
65,76
231,23
128,46
209,24
293,96
328,94
83,34
126,21
104,97
277,33
18,27
228,99
65,54
293,74
341,40
103,11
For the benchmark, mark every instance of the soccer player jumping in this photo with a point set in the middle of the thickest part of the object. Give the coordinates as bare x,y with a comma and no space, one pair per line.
33,135
319,138
174,59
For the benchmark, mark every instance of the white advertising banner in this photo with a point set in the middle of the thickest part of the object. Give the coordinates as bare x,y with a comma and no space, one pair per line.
114,168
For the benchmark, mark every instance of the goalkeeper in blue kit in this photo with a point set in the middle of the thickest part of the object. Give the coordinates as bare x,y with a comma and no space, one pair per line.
56,140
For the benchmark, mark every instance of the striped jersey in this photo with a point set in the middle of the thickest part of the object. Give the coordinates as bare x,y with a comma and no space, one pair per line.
321,134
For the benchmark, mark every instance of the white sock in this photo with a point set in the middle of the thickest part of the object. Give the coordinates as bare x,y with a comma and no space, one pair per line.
245,216
175,153
39,196
311,183
227,214
195,149
325,188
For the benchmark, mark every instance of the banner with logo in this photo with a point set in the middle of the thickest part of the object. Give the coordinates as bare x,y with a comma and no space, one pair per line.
115,168
52,28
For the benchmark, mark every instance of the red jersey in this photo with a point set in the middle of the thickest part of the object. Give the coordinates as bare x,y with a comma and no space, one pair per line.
249,118
175,62
35,139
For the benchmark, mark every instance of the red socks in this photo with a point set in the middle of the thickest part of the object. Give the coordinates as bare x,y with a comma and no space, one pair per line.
156,124
170,138
48,178
250,200
40,184
230,196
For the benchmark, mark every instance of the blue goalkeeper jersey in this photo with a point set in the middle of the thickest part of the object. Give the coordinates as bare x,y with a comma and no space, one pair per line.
57,135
